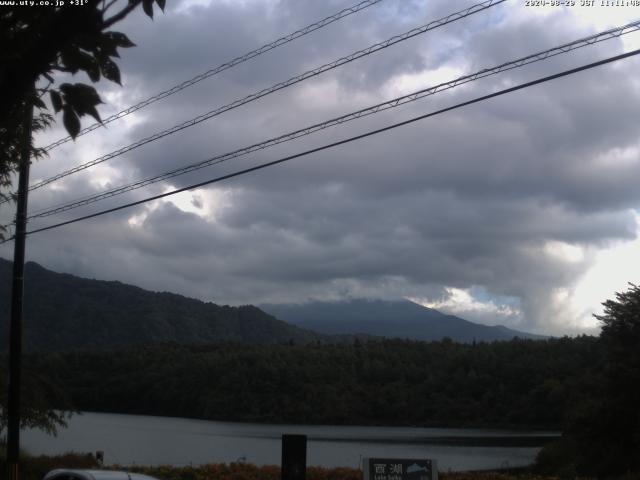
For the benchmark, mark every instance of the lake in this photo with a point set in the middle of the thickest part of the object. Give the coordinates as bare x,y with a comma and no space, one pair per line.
146,440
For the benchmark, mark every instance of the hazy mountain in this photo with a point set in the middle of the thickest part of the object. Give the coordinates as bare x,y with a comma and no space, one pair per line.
401,319
67,312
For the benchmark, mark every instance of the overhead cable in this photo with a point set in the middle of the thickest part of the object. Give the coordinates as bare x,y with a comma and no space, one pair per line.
225,66
510,65
279,86
341,142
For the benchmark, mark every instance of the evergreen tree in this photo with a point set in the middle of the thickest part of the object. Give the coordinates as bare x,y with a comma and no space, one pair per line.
612,440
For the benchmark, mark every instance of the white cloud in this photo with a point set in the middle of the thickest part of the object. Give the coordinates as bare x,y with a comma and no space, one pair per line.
613,269
598,15
527,196
413,81
460,302
206,204
564,252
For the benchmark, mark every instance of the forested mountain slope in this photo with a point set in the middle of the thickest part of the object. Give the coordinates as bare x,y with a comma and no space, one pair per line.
65,312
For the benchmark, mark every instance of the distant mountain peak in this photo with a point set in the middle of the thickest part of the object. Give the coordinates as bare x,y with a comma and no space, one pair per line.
388,318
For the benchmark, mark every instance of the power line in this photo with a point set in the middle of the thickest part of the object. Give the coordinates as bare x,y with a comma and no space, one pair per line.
342,142
279,86
543,55
225,66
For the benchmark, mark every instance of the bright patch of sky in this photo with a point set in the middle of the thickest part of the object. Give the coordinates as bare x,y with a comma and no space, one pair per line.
612,270
411,82
475,304
206,204
598,14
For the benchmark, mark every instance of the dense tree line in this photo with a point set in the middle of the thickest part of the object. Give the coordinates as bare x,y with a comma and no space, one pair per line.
602,432
519,383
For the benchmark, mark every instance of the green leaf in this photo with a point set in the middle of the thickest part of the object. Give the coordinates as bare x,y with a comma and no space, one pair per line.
147,6
87,42
89,64
87,94
94,113
120,39
161,4
110,70
71,121
66,88
56,100
108,47
37,102
83,98
80,95
69,59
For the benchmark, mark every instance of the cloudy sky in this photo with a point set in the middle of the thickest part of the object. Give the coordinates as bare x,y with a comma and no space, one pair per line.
522,210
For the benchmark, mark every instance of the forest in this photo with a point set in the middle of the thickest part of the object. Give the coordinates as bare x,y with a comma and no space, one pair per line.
521,383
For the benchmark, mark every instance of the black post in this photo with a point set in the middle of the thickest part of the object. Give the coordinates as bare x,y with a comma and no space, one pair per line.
294,457
15,334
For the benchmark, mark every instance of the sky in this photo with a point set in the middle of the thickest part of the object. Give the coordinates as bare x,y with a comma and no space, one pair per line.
522,210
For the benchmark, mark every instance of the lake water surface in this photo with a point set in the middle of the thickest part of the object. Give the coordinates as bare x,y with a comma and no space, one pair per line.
145,440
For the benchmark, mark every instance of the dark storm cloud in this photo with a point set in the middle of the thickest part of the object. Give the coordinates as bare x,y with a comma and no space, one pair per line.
476,197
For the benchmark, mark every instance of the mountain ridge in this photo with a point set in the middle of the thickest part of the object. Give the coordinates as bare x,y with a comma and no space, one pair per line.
66,312
391,319
63,311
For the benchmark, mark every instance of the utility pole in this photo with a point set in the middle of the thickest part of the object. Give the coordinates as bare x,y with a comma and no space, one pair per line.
15,328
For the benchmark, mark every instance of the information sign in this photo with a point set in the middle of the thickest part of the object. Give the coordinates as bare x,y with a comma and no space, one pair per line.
400,469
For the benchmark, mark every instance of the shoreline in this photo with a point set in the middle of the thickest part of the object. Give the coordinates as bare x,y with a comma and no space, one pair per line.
514,429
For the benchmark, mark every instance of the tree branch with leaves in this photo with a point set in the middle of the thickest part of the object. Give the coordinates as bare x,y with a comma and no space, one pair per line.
35,43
